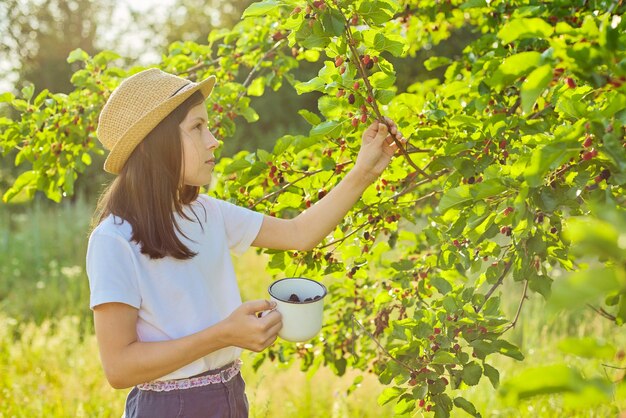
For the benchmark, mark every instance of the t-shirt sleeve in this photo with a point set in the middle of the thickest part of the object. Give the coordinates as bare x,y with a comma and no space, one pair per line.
242,225
111,271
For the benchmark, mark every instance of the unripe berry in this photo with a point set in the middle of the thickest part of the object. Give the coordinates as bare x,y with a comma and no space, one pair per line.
356,85
338,61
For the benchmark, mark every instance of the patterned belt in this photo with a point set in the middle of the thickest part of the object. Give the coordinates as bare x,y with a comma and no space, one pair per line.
222,376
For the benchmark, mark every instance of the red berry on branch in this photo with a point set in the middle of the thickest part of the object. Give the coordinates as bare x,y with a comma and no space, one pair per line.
351,98
502,144
356,85
363,118
370,99
338,61
588,141
340,92
570,82
342,70
355,122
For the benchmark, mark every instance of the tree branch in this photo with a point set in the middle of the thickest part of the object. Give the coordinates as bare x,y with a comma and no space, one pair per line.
507,267
519,308
357,61
602,312
285,187
383,349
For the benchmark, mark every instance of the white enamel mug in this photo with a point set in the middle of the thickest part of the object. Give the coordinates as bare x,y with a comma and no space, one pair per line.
301,320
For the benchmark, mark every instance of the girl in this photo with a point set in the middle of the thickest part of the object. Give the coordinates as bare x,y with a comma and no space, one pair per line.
168,316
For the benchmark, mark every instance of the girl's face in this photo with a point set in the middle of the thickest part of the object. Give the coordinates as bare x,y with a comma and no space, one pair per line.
198,145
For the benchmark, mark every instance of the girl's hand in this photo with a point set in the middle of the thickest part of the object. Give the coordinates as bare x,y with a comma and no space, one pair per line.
377,148
243,328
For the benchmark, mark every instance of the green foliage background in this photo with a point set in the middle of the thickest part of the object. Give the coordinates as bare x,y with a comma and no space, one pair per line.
514,171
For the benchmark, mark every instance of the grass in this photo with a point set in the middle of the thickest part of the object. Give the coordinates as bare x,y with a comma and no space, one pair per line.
49,364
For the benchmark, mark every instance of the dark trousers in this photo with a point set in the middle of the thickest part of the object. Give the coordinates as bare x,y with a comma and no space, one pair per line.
217,400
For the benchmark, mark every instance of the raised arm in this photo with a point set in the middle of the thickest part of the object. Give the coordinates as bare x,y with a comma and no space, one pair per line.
310,227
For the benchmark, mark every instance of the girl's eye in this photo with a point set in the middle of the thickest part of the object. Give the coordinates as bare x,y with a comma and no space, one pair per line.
198,126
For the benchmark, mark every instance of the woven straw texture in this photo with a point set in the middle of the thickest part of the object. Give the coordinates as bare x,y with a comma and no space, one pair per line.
137,106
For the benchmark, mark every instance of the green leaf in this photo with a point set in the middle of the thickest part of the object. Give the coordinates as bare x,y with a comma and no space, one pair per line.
389,394
315,84
25,181
472,373
103,58
546,158
77,55
466,405
544,380
471,4
534,85
454,197
333,23
384,96
6,97
444,357
237,165
524,28
514,67
492,374
381,80
261,8
436,62
508,349
257,87
327,128
587,286
28,91
310,117
404,405
377,11
250,114
587,347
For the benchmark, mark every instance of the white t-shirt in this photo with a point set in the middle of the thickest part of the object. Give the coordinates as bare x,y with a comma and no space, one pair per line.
175,298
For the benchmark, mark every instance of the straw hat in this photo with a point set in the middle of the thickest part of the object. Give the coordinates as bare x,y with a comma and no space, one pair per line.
137,106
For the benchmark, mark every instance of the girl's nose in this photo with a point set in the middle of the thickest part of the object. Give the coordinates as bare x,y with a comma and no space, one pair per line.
211,142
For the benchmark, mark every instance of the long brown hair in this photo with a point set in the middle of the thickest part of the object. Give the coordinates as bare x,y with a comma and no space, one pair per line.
147,193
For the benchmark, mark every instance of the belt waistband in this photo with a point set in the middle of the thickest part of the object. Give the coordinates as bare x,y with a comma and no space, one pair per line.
222,376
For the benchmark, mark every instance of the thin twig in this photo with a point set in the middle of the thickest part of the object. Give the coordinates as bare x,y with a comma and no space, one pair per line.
250,76
383,349
519,308
613,367
345,237
285,187
507,266
602,312
198,67
373,104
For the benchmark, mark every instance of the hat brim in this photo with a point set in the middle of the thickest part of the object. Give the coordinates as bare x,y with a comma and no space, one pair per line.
138,131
